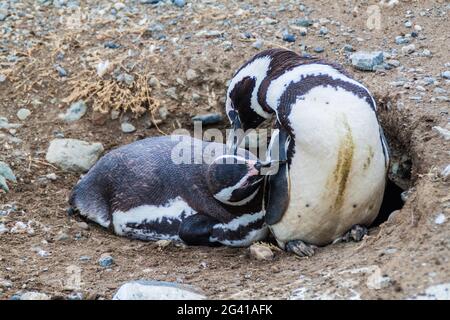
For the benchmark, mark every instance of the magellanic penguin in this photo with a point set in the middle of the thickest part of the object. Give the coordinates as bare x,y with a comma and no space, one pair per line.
328,131
140,191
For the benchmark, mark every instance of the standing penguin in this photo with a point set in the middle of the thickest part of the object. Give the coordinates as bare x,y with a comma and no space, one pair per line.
327,130
140,191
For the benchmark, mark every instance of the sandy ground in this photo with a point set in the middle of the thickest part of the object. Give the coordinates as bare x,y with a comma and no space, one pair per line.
410,252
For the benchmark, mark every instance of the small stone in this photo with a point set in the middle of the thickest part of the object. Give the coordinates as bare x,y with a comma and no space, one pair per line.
75,112
3,228
157,290
443,132
119,6
426,53
191,75
23,113
163,243
288,37
127,127
2,78
210,118
111,45
417,28
445,74
51,176
440,218
367,61
126,78
149,1
261,252
115,114
172,93
34,296
303,22
62,237
179,3
401,40
436,292
3,14
105,260
73,155
61,71
85,258
75,296
348,48
103,67
319,49
323,31
408,24
258,44
5,284
408,49
445,173
83,225
6,174
163,113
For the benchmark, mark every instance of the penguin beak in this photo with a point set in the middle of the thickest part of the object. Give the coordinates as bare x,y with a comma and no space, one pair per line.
236,135
278,184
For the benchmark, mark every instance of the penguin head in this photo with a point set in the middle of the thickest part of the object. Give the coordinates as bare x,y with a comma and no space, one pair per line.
234,179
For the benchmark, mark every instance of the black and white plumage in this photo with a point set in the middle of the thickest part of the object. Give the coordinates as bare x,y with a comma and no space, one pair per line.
139,191
327,129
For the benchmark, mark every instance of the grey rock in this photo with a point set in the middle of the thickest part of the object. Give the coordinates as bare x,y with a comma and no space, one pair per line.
302,22
319,49
440,218
258,44
348,48
105,260
191,75
75,112
179,3
435,292
3,14
3,228
323,31
442,131
408,24
23,113
149,1
172,93
61,71
408,49
288,37
34,296
4,124
126,78
75,296
445,173
157,290
73,155
210,118
62,236
163,113
2,78
127,127
377,280
367,61
445,74
401,40
154,82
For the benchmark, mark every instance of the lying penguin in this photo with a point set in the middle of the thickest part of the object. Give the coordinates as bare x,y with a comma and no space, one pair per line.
139,191
328,131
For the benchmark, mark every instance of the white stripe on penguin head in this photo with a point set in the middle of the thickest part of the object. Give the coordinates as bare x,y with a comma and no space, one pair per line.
257,69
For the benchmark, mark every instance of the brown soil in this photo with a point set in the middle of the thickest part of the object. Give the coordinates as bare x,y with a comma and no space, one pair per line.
410,248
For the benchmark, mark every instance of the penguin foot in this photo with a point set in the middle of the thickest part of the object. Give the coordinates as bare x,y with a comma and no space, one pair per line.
300,248
356,233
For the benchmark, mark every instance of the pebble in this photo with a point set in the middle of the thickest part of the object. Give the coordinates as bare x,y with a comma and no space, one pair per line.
443,132
440,218
103,68
261,252
75,112
408,49
105,260
84,258
154,82
348,48
288,37
127,127
111,45
445,74
210,118
157,290
367,61
51,176
2,78
323,31
172,93
4,124
61,71
191,75
258,44
408,24
119,6
401,40
73,155
75,296
62,236
3,14
23,113
34,296
3,228
303,22
149,1
163,113
179,3
319,49
126,78
83,225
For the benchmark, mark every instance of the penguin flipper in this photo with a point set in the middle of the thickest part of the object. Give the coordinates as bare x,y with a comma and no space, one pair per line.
197,229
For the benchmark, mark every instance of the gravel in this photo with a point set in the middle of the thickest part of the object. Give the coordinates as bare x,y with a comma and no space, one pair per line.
75,112
23,113
127,127
367,61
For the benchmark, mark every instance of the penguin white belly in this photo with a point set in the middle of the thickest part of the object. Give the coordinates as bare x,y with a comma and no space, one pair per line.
337,174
